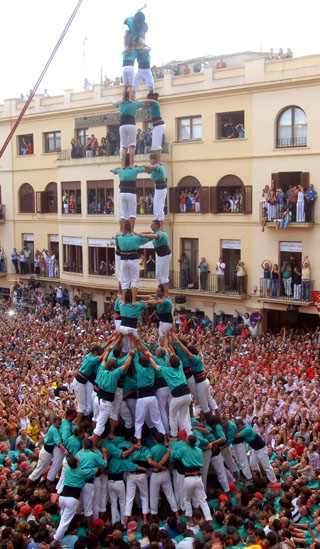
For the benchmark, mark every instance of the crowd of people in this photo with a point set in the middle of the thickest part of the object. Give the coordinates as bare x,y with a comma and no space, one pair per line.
43,263
295,278
296,205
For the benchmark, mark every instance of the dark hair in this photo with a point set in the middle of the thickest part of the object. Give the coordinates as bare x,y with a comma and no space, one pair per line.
73,462
87,444
193,349
159,437
111,364
116,351
144,361
174,361
160,285
192,440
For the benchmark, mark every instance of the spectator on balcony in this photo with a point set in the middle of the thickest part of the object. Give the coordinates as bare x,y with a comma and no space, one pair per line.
204,270
293,202
78,149
228,130
139,142
221,64
197,200
30,147
151,267
277,221
148,140
220,268
27,254
65,202
1,259
300,206
220,328
182,201
42,265
241,277
94,145
22,259
184,270
286,273
267,266
88,148
103,149
72,204
189,201
275,275
272,206
141,266
305,279
56,268
239,130
285,219
296,275
37,264
264,218
310,198
233,201
73,147
24,148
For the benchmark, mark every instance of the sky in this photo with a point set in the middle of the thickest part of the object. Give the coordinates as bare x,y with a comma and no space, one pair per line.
178,29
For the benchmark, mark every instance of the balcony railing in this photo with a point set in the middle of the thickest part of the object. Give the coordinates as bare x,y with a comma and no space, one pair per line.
212,283
273,213
286,291
68,154
283,143
36,272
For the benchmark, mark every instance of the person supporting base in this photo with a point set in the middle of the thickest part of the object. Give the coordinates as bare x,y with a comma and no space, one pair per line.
260,450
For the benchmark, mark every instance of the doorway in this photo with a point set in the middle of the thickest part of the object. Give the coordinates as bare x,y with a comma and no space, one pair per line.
113,139
190,247
231,253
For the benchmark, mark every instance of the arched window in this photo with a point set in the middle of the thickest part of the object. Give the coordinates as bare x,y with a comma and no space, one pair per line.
189,194
230,195
52,203
26,198
292,128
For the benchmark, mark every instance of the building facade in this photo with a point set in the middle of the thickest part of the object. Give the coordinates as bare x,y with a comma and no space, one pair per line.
229,133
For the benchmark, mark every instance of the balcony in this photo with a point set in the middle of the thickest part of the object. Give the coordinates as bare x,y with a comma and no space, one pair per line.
281,293
288,142
273,213
213,284
2,212
67,155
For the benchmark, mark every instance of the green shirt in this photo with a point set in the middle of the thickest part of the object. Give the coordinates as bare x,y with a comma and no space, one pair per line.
129,55
219,432
142,454
66,429
132,311
89,459
162,240
232,430
89,365
183,357
129,242
118,466
107,380
248,433
128,174
53,437
196,364
112,449
154,110
77,477
145,376
158,451
129,108
173,376
130,384
73,445
158,175
190,457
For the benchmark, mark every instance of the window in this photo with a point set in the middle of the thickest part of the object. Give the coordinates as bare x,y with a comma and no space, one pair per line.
47,200
147,261
52,142
190,129
291,128
145,195
189,196
25,144
26,198
231,196
189,262
101,257
100,197
230,125
83,135
231,254
71,197
72,254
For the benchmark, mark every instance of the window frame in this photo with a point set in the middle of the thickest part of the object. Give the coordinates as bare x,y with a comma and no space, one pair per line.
219,115
292,137
71,186
190,118
19,143
142,185
67,252
46,141
85,136
93,257
32,207
106,185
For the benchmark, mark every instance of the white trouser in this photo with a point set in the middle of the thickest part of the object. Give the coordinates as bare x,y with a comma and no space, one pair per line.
117,323
162,268
80,392
42,465
218,466
89,392
127,205
127,134
228,459
127,75
192,386
125,330
103,498
159,201
131,403
116,256
205,467
287,286
147,405
193,487
242,459
204,398
95,406
96,497
87,499
58,456
157,134
143,75
262,457
163,397
158,481
297,291
134,482
164,327
116,404
68,507
117,492
59,486
178,488
129,275
179,415
103,416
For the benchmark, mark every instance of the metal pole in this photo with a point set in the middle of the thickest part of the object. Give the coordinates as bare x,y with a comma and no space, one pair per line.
31,96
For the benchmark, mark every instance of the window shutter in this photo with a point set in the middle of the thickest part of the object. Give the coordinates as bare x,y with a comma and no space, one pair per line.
247,199
213,200
304,180
275,180
42,202
204,200
174,199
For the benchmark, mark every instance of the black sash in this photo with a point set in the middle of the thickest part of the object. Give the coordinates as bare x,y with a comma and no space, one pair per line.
48,448
145,392
127,120
144,65
165,317
128,187
71,492
181,390
114,476
129,322
81,378
128,63
161,251
161,185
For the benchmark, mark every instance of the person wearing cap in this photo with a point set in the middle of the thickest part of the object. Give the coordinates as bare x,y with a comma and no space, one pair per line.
193,489
83,381
52,445
238,446
161,479
159,178
74,480
66,429
260,450
205,400
160,243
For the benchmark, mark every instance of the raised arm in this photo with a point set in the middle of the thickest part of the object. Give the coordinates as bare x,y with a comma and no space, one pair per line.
185,350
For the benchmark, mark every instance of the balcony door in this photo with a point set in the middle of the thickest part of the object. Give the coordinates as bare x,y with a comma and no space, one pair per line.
231,253
190,246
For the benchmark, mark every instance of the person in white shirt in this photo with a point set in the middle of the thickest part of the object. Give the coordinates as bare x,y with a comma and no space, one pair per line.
59,294
254,329
220,268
